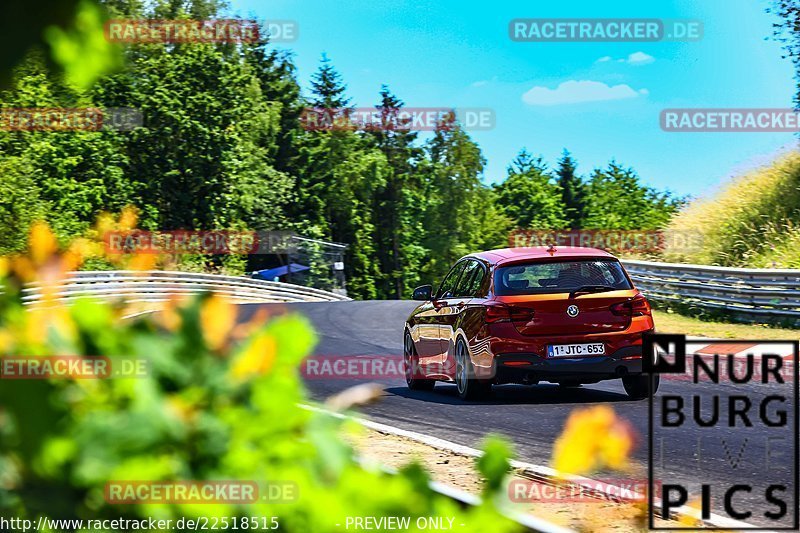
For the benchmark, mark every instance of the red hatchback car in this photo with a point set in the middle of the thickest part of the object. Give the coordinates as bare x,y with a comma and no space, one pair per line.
524,315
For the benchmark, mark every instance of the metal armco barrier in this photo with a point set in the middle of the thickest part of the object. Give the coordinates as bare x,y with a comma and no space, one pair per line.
754,294
159,286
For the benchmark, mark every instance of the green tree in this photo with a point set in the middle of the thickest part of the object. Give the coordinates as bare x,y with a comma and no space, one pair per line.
339,175
77,174
459,218
788,32
529,196
20,203
398,201
573,191
328,88
618,200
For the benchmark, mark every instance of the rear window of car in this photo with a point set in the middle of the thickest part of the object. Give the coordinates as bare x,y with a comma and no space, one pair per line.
556,277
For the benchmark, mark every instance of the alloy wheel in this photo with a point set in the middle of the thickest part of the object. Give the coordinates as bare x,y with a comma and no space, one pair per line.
462,367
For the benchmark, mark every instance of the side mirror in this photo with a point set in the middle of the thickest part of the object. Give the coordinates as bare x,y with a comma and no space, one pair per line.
423,293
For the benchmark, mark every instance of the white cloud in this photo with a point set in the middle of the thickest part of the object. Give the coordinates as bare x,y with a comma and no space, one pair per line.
573,92
481,83
640,58
636,58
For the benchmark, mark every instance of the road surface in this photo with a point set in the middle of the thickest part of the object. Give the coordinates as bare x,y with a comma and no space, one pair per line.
532,417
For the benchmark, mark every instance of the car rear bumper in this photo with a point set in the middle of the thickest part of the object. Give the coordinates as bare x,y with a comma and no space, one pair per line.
518,359
531,368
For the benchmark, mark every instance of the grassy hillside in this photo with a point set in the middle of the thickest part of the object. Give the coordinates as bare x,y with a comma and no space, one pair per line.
753,221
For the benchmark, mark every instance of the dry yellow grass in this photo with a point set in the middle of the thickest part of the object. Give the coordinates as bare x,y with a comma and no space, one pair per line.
754,220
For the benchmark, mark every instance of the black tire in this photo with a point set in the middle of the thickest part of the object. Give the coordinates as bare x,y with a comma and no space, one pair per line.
638,387
411,367
468,386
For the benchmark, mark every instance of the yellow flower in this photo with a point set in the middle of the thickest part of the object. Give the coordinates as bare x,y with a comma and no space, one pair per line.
183,409
257,358
79,249
24,268
43,243
142,262
593,438
7,341
128,218
169,316
217,317
39,321
104,224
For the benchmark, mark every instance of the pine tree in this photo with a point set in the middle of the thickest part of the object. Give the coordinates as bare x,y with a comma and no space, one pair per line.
399,223
328,87
573,190
337,186
529,197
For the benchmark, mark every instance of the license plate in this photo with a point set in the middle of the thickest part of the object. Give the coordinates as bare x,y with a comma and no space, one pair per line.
575,350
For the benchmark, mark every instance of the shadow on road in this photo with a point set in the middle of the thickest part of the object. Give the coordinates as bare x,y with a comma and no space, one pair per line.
515,394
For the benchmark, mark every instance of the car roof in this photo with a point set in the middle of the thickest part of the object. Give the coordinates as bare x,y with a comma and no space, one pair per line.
512,255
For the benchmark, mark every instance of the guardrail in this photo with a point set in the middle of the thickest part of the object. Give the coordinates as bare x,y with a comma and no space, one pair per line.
159,286
754,294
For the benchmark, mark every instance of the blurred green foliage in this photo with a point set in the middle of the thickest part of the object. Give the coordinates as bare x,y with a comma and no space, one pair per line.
217,404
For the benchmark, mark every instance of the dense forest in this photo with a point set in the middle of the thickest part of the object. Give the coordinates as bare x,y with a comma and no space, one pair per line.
222,146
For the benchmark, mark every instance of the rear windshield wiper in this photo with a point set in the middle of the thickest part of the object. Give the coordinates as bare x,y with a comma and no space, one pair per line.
586,289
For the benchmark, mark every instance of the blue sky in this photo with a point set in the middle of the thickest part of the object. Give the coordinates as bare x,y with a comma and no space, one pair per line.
458,54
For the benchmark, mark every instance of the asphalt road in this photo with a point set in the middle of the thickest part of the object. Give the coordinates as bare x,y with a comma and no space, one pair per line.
532,417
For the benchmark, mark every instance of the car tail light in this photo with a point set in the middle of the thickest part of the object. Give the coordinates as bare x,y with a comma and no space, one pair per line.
636,306
506,313
497,313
